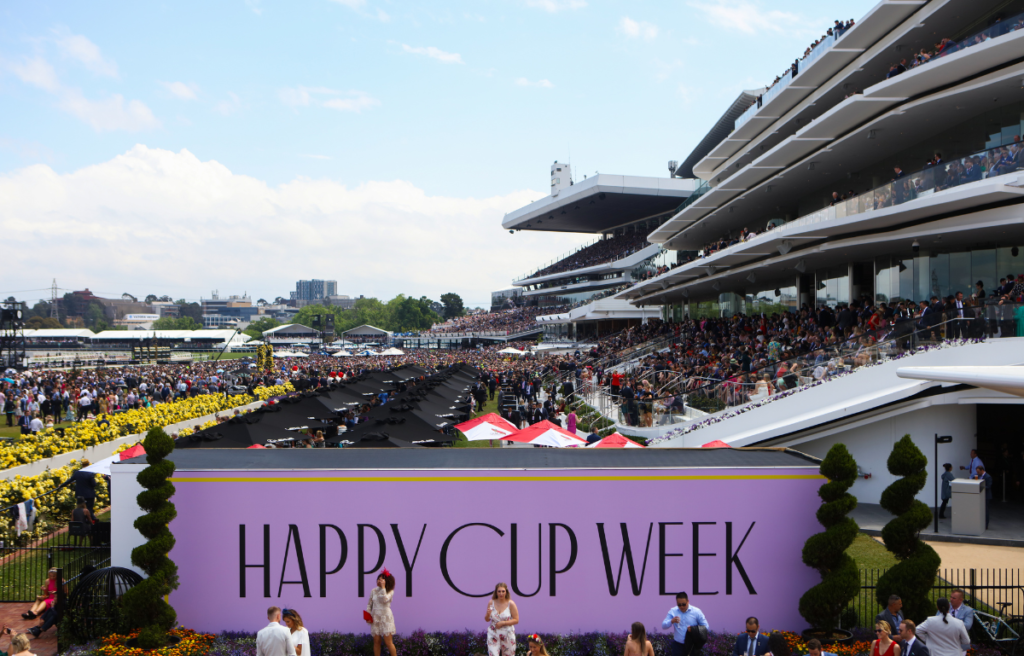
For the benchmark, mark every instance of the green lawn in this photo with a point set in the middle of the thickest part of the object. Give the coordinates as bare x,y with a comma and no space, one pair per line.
463,443
870,553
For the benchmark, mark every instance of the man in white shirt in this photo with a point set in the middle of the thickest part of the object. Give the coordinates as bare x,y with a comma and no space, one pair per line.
272,640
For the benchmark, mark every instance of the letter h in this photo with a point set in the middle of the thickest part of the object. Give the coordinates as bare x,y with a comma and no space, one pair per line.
242,565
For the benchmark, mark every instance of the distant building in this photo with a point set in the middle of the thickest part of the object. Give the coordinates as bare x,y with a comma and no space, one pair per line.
137,321
227,311
314,290
344,302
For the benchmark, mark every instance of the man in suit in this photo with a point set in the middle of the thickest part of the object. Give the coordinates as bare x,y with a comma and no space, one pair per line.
984,476
814,648
909,644
751,643
272,640
84,484
892,616
960,610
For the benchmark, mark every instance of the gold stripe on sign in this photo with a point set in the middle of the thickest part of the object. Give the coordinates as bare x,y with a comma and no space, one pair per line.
482,479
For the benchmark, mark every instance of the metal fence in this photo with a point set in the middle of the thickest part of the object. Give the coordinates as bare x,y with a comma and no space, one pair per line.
994,591
23,568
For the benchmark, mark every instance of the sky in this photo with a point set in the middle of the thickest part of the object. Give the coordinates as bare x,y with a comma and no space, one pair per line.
241,145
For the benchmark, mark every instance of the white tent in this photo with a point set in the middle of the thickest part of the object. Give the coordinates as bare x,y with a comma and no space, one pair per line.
393,351
342,354
511,349
367,352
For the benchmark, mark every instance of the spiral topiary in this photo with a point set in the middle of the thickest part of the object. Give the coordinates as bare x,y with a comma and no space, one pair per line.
144,604
826,552
913,576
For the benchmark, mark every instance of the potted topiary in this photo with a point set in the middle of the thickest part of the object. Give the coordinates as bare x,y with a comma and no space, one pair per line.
913,576
822,605
145,605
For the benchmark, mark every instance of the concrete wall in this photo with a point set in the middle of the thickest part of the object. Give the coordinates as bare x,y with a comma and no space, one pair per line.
105,450
871,444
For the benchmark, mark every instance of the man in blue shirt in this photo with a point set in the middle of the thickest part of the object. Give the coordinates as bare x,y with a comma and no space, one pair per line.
682,620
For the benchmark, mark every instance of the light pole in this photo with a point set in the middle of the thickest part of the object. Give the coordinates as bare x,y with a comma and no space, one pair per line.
943,439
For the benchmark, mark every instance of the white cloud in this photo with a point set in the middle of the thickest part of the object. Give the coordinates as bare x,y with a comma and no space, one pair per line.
301,96
35,71
83,50
352,4
523,82
110,114
254,5
356,102
229,106
181,90
637,29
316,156
556,5
435,53
747,17
189,207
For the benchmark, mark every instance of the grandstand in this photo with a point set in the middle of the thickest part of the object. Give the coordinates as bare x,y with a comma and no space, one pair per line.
880,170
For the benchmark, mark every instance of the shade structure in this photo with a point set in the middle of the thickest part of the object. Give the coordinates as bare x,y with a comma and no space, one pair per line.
256,446
342,354
136,450
102,466
717,444
545,433
382,440
235,434
487,427
616,441
392,351
511,350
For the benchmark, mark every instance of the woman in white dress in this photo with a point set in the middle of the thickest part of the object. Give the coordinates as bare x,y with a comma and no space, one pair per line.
299,638
502,617
944,634
382,626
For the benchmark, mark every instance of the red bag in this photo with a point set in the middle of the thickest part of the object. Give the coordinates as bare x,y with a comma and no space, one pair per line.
367,616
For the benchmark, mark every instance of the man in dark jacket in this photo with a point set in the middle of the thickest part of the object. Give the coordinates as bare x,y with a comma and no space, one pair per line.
84,484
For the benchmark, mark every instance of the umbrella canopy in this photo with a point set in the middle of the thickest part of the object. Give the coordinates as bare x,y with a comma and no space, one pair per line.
512,350
136,450
717,444
234,434
488,427
256,446
343,354
616,441
102,466
545,433
392,351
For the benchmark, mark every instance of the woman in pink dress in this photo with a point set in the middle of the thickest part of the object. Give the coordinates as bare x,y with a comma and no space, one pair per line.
570,422
45,600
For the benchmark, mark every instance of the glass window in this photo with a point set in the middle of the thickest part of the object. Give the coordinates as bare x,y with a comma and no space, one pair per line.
906,271
843,285
939,274
960,272
883,280
983,268
1006,264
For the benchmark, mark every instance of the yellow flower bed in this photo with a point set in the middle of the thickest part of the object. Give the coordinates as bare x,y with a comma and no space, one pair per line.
192,644
51,509
49,442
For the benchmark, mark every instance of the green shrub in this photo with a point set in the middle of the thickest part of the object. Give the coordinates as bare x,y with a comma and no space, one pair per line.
912,577
705,404
145,604
822,605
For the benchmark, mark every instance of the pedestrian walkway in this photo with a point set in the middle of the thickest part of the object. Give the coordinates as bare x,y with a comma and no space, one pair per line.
1006,527
10,617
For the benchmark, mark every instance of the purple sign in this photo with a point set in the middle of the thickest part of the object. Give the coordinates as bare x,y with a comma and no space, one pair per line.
581,550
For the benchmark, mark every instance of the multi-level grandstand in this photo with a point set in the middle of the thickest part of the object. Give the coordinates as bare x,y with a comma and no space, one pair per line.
848,234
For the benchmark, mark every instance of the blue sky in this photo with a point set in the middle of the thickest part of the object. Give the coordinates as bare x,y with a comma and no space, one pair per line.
362,120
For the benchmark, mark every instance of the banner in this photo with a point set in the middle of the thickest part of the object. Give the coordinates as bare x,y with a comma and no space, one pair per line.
580,550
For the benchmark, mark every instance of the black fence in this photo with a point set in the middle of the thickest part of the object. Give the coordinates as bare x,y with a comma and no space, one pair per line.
994,591
23,568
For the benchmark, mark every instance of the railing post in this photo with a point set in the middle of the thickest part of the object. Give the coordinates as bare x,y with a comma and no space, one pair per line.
973,586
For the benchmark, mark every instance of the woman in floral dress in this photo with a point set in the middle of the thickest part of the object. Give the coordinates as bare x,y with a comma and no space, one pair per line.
502,617
382,626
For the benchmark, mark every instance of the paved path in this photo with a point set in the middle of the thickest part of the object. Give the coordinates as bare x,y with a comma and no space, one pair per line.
10,616
1005,528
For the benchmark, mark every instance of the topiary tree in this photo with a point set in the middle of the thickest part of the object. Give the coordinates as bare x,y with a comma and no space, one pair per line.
144,604
913,576
826,552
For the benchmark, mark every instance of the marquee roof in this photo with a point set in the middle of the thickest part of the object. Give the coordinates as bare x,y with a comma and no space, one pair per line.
220,335
425,459
290,329
366,329
56,333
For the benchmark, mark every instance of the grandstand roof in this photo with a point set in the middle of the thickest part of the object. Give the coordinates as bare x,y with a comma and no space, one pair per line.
56,333
718,132
366,329
289,328
601,203
192,335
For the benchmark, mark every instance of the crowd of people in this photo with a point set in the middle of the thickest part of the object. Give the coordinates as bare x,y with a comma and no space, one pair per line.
511,321
600,252
836,31
36,399
947,46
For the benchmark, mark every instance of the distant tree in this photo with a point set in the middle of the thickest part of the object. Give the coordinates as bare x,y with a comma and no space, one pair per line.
165,299
38,322
258,327
151,297
193,310
180,323
128,297
40,309
181,301
280,301
95,317
261,303
453,306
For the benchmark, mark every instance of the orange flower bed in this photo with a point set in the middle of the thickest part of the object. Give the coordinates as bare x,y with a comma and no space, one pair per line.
192,644
798,646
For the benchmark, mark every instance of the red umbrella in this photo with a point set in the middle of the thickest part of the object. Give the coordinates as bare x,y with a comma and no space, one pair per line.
136,450
256,446
717,444
547,434
488,427
616,441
